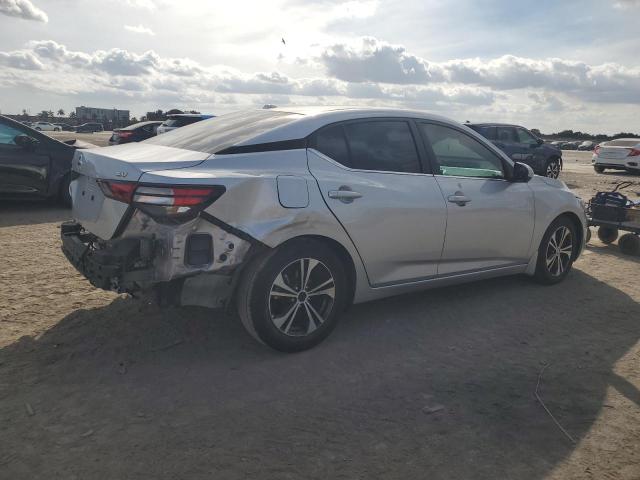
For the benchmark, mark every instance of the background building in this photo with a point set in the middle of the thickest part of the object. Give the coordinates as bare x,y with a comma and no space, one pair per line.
109,117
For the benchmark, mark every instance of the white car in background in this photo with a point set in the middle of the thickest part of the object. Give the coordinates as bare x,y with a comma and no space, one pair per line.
180,120
293,214
46,127
619,154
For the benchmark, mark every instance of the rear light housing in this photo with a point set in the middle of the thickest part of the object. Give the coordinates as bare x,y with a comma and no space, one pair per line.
596,150
123,134
164,203
635,152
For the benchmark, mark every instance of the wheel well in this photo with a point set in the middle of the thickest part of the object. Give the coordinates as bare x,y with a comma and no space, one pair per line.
556,157
344,256
576,223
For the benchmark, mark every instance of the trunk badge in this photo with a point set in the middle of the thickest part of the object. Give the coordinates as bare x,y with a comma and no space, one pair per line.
121,174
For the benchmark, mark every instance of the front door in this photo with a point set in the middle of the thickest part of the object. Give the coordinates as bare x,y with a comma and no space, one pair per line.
370,175
23,171
490,219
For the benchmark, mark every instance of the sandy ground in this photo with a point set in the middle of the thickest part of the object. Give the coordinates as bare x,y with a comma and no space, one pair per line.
435,385
101,139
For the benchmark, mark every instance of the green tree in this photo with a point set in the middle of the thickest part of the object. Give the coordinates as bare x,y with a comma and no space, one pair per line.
43,115
60,112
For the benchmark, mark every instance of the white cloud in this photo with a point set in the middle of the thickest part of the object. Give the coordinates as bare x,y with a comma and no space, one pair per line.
139,29
20,60
626,4
23,9
143,4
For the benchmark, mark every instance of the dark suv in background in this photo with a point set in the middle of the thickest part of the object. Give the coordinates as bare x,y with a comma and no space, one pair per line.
522,146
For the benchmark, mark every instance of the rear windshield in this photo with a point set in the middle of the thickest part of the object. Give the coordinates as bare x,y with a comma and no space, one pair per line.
623,143
180,121
216,134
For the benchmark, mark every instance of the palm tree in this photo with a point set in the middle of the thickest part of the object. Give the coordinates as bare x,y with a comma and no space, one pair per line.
50,112
60,112
43,115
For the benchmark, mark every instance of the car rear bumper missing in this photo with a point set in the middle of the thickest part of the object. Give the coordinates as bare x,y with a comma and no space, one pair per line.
125,267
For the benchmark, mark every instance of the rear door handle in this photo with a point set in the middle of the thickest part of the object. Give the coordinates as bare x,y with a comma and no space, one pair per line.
346,196
460,200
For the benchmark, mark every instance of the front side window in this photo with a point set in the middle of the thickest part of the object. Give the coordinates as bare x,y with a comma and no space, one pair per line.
8,134
486,131
526,137
386,146
458,154
506,135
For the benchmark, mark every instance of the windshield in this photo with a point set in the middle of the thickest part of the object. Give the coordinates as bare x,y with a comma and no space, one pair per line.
216,134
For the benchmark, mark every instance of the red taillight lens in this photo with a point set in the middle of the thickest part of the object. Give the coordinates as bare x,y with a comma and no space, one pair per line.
124,134
121,191
596,150
634,152
177,196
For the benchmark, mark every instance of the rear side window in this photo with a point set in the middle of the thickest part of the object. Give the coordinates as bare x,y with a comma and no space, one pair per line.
180,121
332,142
216,134
386,146
526,137
460,155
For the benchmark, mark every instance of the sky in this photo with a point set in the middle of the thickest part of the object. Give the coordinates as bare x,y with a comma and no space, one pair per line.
548,65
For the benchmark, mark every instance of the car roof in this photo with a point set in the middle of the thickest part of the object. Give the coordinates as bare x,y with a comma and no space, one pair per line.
312,118
203,115
493,124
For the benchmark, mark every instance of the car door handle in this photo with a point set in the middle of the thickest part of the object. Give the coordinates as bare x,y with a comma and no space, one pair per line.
344,195
461,200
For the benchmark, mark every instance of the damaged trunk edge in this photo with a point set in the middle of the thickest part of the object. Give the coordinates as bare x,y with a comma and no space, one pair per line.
194,263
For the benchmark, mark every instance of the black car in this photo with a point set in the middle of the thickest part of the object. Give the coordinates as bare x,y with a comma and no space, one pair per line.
33,165
89,128
134,133
65,127
522,146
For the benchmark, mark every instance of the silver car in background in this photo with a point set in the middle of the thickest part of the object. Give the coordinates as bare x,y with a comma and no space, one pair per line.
291,215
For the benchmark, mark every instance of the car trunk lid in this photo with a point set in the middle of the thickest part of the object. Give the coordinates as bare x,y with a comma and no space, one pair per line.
101,215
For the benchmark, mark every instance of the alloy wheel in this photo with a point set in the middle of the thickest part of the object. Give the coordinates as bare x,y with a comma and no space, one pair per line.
301,297
559,251
553,170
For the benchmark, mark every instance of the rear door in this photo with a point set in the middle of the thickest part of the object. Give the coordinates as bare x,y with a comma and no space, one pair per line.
490,219
370,175
22,171
507,141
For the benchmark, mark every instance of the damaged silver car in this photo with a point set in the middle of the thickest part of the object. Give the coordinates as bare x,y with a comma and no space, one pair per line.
291,215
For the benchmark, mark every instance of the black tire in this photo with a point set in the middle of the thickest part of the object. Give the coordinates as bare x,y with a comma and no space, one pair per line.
258,296
598,169
551,273
64,195
56,129
607,234
552,170
38,129
629,244
588,235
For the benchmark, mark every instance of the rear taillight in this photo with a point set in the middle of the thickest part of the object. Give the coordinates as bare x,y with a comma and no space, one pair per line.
171,202
596,150
121,191
124,134
634,152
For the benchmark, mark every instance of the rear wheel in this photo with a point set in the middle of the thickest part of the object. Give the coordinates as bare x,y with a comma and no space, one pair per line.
607,234
290,298
556,252
553,168
629,244
598,168
56,129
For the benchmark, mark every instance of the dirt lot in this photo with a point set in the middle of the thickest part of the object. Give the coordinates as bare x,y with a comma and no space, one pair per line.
101,139
435,385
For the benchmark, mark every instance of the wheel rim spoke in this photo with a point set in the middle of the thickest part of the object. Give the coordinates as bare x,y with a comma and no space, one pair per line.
303,288
559,251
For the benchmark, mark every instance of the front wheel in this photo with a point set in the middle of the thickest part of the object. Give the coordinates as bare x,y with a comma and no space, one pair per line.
607,234
553,168
64,194
56,129
556,252
38,129
629,244
290,298
598,169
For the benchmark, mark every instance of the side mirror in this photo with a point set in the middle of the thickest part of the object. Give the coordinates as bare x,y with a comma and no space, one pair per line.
522,173
540,141
26,142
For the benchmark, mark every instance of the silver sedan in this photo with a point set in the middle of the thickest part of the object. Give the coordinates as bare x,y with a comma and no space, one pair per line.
290,215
